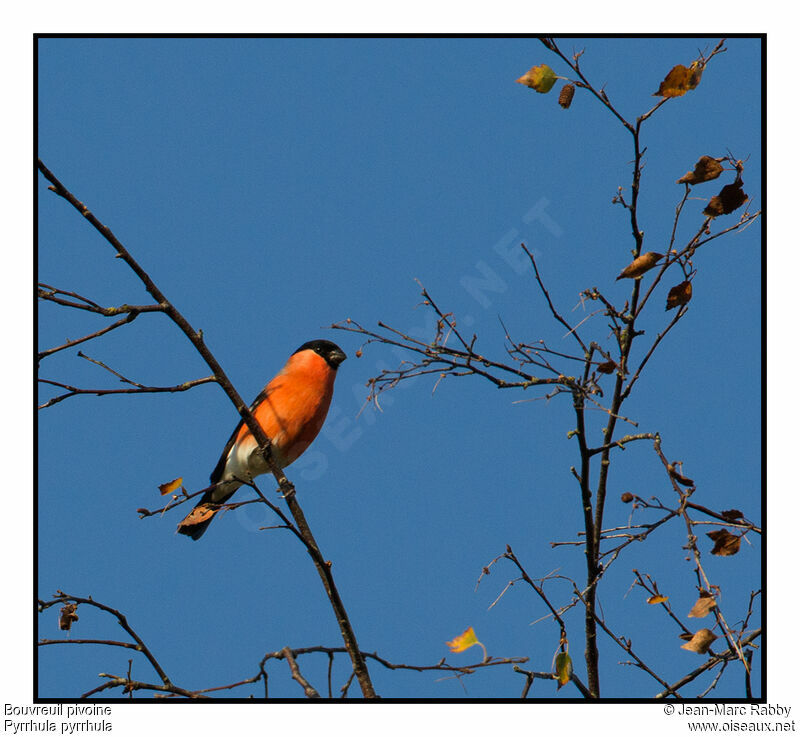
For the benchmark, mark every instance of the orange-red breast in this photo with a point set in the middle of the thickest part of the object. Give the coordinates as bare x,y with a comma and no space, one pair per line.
291,409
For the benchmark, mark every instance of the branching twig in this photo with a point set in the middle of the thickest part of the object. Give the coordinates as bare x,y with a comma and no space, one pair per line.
74,391
196,338
62,598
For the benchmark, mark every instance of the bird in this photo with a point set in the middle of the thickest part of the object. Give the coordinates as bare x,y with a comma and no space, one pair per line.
291,410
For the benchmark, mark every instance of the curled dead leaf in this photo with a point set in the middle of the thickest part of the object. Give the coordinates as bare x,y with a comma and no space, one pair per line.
657,599
67,616
679,295
607,367
724,542
700,641
640,265
706,169
626,497
732,514
199,514
730,198
171,486
703,605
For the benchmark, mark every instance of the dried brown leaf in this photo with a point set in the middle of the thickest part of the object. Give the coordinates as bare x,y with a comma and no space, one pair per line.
679,295
703,605
198,515
706,169
730,198
724,542
67,616
732,514
640,265
700,642
607,367
658,599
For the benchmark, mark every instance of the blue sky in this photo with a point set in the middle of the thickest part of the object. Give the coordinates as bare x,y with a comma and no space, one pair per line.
273,186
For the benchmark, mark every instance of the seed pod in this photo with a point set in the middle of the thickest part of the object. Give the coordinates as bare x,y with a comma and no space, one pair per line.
566,95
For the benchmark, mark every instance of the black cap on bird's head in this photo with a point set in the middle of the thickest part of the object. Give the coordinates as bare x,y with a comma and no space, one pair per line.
331,352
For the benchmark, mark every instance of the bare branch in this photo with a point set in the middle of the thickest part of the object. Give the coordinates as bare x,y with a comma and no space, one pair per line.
309,690
729,654
74,391
553,310
62,598
196,338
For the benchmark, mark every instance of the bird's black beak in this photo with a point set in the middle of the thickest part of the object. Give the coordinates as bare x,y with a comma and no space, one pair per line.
336,356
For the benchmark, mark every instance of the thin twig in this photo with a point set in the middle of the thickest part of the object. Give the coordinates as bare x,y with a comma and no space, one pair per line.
196,338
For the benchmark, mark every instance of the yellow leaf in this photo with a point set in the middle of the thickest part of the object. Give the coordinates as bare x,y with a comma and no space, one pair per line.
640,265
171,486
680,80
700,641
695,74
660,599
563,668
540,78
465,640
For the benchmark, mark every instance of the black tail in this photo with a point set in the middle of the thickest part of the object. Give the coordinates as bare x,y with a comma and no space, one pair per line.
196,522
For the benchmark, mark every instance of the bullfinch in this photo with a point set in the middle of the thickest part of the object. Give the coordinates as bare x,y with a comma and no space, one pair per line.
291,410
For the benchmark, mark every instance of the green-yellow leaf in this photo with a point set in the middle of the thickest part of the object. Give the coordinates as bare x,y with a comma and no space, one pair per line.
563,668
540,78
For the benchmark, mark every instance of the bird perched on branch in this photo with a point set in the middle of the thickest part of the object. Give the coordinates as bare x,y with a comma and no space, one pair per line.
291,410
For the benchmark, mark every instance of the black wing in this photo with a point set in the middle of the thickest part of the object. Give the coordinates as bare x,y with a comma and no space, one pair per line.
216,474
